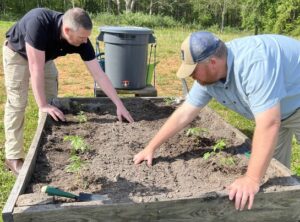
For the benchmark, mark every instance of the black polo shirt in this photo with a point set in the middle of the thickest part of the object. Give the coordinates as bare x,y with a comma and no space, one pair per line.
41,28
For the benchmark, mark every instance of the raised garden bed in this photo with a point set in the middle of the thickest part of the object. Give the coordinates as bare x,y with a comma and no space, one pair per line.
187,181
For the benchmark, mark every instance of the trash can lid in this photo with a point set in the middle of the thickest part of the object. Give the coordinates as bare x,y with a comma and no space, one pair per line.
126,29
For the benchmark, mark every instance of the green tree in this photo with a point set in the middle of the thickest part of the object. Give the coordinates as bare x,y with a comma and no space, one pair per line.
253,14
288,16
217,12
279,16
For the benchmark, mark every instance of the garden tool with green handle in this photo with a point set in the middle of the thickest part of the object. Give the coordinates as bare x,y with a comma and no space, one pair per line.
53,191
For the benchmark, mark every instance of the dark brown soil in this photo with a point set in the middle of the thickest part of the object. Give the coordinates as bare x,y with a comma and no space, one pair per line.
179,169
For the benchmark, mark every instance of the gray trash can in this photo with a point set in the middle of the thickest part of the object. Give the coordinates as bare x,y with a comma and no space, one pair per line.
126,52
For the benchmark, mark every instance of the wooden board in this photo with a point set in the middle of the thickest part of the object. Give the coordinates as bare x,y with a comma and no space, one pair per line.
277,206
283,206
148,91
25,173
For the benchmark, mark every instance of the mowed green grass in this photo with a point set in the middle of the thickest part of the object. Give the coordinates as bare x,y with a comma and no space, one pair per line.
71,70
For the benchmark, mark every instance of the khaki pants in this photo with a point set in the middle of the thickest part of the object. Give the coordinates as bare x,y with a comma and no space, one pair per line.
16,73
289,128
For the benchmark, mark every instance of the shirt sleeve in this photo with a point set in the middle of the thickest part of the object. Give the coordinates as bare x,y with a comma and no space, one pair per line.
198,95
264,85
36,34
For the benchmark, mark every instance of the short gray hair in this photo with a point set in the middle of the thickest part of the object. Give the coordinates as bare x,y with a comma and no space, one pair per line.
221,51
76,18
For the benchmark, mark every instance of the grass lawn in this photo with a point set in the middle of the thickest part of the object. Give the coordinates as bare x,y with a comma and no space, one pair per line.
74,80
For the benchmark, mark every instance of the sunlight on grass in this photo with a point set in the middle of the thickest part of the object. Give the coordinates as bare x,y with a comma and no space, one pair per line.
7,181
244,125
296,157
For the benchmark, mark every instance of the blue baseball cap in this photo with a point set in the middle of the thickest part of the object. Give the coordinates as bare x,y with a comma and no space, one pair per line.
195,48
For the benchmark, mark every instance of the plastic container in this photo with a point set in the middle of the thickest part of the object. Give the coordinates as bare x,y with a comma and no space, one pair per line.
126,54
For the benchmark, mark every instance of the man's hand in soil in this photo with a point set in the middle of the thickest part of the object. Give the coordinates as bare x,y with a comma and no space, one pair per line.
54,112
122,112
144,155
243,190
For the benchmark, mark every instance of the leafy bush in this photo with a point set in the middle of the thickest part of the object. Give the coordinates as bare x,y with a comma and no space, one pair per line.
135,19
105,19
9,17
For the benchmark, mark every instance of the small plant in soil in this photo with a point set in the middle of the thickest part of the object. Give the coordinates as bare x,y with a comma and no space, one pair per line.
220,145
195,131
75,165
77,143
228,161
81,117
170,101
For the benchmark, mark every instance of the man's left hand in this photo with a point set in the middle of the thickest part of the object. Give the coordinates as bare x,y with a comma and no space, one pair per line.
243,190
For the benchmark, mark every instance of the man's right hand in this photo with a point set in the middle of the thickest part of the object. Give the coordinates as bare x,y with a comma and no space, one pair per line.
144,155
53,111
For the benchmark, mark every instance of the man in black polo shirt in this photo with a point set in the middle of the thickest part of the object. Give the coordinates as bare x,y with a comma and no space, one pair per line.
29,50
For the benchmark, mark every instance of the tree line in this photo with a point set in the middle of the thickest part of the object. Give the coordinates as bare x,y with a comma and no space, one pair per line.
277,16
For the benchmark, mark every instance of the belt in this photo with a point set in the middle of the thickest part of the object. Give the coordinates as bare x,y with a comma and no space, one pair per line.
9,46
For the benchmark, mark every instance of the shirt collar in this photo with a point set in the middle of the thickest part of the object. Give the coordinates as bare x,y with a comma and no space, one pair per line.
229,66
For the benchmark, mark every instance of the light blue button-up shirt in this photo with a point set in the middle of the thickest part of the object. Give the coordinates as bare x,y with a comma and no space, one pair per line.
262,71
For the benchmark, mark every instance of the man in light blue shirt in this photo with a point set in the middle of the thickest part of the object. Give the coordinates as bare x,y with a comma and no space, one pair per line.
256,76
261,71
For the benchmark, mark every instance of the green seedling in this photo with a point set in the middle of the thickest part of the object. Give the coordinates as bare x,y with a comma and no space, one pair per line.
195,131
169,100
227,161
81,117
75,164
220,145
77,143
206,155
